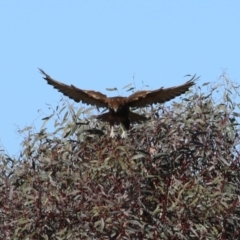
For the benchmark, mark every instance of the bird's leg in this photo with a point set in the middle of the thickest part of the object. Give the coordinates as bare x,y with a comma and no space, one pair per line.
112,134
124,133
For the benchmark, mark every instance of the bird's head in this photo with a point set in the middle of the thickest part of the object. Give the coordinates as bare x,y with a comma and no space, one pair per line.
116,104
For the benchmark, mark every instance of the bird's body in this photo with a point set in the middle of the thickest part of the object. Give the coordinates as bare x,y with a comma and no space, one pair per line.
119,113
119,107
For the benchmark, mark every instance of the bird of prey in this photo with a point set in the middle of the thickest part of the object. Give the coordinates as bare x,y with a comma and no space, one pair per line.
119,107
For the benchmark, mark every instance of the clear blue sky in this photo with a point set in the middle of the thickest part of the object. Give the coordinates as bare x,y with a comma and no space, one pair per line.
101,43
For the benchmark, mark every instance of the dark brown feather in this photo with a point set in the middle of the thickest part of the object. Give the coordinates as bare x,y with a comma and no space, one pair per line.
137,118
161,95
89,97
134,117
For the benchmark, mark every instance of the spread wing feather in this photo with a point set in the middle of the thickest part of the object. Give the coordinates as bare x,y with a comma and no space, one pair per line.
86,96
161,95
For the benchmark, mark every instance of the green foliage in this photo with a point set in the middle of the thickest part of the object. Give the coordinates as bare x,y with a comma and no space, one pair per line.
174,177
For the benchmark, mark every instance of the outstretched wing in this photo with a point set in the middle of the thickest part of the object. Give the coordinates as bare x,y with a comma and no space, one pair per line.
161,95
86,96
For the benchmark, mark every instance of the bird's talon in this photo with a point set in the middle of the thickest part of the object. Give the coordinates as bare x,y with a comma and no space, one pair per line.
124,134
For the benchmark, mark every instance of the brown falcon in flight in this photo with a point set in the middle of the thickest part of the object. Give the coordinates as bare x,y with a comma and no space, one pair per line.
119,107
